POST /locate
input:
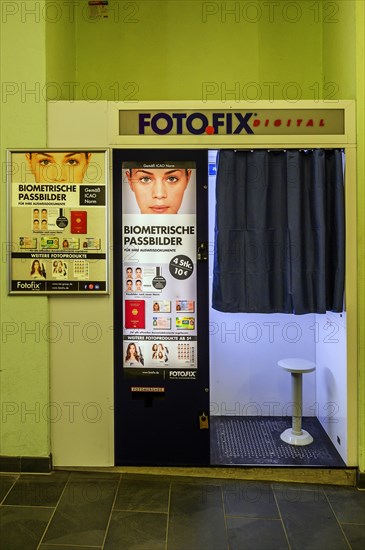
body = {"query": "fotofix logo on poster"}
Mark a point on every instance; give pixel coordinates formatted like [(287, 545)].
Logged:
[(159, 269)]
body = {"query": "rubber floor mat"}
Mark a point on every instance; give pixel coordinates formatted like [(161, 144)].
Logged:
[(256, 440)]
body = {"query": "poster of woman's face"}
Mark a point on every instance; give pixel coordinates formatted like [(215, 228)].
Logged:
[(151, 190), (58, 167)]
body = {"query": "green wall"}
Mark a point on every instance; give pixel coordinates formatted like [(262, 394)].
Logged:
[(24, 349), (28, 77), (155, 50), (197, 50), (360, 97), (60, 50), (339, 50)]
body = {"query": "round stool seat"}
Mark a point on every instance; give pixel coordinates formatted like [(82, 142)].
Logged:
[(297, 367)]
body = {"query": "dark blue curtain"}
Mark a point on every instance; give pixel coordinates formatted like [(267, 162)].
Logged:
[(280, 232)]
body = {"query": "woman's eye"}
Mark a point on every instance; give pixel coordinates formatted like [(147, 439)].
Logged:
[(145, 180), (72, 162), (172, 179), (45, 162)]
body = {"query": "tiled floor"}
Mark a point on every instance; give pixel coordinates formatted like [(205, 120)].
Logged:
[(112, 511)]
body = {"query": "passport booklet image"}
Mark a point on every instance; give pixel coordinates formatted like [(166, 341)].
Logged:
[(135, 314), (78, 221)]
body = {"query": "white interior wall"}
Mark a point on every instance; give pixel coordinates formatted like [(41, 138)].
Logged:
[(331, 378), (244, 351)]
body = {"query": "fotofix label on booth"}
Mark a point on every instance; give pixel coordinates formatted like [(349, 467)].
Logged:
[(231, 122), (159, 269)]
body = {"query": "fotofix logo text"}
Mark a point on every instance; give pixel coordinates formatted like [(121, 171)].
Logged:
[(232, 122)]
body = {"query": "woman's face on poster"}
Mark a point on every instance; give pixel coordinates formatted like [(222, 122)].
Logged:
[(158, 191), (58, 167)]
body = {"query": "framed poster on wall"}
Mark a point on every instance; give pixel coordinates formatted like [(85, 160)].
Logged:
[(58, 221), (159, 268)]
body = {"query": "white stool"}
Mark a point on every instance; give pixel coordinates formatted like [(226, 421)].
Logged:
[(295, 435)]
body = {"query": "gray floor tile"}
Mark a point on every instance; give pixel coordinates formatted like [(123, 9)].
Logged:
[(37, 490), (83, 512), (250, 499), (147, 495), (256, 534), (293, 492), (294, 486), (85, 475), (68, 547), (5, 483), (22, 528), (196, 515), (136, 531), (355, 534), (309, 521), (354, 510), (196, 520)]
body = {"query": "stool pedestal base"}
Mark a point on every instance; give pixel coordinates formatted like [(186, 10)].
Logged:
[(289, 437), (297, 367)]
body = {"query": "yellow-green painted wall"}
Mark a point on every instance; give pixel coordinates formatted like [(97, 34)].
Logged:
[(37, 63), (339, 50), (24, 368), (156, 50), (360, 97), (60, 50)]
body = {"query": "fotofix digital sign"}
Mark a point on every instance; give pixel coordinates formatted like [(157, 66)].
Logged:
[(231, 122)]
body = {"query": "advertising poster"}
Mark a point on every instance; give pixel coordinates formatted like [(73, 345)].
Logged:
[(159, 269), (58, 237)]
